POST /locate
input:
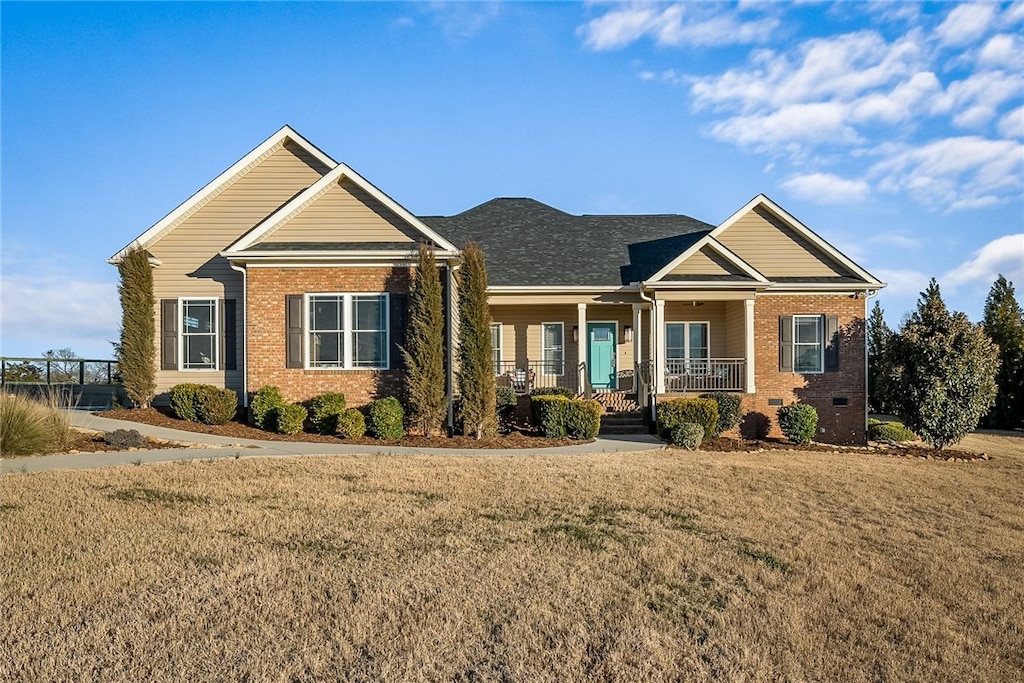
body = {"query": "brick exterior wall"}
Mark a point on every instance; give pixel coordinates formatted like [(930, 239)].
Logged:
[(265, 305)]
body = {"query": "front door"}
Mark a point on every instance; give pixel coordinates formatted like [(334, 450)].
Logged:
[(601, 355)]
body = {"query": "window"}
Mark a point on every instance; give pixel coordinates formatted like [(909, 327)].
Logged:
[(686, 347), (496, 347), (198, 334), (347, 331), (552, 343), (807, 343)]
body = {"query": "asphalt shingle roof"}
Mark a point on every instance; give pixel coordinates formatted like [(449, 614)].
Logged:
[(528, 243)]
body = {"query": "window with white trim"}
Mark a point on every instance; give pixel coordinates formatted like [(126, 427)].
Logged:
[(198, 334), (808, 349), (553, 349), (687, 347), (347, 331), (496, 346)]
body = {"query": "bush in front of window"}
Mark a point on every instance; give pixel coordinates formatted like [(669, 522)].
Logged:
[(582, 419), (326, 409), (185, 401), (506, 402), (215, 406), (798, 422), (553, 391), (674, 411), (547, 413), (688, 435), (387, 419), (729, 411), (351, 424), (290, 418), (264, 406), (889, 432)]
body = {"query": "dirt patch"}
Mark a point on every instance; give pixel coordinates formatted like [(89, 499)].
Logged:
[(87, 441)]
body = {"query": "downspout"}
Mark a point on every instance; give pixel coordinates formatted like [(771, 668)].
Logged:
[(653, 347), (245, 333)]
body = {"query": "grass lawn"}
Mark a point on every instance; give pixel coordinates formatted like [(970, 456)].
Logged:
[(663, 565)]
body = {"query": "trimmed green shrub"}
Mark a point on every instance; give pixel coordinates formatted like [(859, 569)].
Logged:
[(674, 411), (688, 435), (290, 418), (125, 439), (325, 410), (547, 413), (798, 422), (185, 400), (582, 419), (730, 408), (387, 419), (553, 391), (265, 403), (216, 406), (889, 432), (506, 402), (351, 424)]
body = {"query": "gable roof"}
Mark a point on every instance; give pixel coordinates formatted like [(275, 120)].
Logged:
[(749, 272), (530, 244), (222, 181)]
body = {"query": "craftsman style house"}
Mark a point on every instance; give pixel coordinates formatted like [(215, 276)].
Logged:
[(291, 269)]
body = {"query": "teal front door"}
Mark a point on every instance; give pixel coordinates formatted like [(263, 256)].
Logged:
[(601, 354)]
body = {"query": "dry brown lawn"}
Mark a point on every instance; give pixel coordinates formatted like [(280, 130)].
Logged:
[(632, 567)]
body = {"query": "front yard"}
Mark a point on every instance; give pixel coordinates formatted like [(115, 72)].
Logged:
[(663, 565)]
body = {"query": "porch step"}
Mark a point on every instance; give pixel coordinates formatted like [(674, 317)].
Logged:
[(617, 401), (623, 422)]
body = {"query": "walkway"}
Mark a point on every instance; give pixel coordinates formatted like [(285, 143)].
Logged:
[(227, 447)]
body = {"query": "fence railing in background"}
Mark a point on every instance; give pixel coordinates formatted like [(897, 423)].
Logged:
[(711, 374), (50, 371), (525, 377)]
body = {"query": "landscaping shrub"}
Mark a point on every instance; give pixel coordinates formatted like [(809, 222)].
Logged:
[(729, 411), (582, 419), (890, 432), (547, 413), (798, 422), (264, 405), (553, 391), (216, 406), (290, 418), (688, 435), (326, 408), (351, 424), (506, 402), (674, 411), (29, 426), (755, 425), (387, 418), (125, 439), (185, 400)]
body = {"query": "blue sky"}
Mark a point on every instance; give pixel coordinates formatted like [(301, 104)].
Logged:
[(894, 130)]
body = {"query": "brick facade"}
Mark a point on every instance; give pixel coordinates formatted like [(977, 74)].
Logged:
[(265, 322)]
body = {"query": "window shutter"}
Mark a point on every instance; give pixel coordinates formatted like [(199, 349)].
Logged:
[(396, 316), (293, 331), (785, 343), (228, 336), (831, 343), (168, 334)]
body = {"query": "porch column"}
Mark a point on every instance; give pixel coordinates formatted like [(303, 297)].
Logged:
[(581, 344), (748, 309), (658, 328)]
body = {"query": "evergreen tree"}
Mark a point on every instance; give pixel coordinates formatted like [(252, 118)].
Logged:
[(947, 367), (476, 364), (424, 346), (136, 353), (879, 367), (1004, 324)]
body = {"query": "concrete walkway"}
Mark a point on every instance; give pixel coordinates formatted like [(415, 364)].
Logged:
[(217, 447)]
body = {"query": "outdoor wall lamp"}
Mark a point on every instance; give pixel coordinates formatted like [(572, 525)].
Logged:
[(575, 333), (627, 333)]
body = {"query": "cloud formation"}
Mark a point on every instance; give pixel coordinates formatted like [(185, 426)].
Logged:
[(1003, 255), (826, 188), (674, 25)]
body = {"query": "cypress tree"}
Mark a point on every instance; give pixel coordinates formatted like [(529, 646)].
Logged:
[(136, 353), (879, 367), (476, 364), (424, 345), (1004, 323)]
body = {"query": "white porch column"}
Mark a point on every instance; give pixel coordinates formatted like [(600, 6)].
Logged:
[(581, 342), (658, 328), (748, 309)]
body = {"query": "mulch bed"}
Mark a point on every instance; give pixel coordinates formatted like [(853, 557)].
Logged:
[(240, 430), (911, 450), (92, 442)]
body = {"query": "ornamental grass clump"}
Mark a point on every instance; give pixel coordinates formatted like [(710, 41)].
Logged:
[(798, 422), (325, 411), (29, 426)]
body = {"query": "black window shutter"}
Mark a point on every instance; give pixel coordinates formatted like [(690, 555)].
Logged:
[(168, 334), (831, 343), (228, 341), (785, 343), (398, 307), (293, 331)]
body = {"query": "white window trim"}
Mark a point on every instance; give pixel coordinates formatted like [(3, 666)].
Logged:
[(347, 340), (181, 333), (543, 358), (686, 340), (821, 345), (501, 345)]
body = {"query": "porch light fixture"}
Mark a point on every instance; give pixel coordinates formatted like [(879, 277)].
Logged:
[(627, 333), (575, 333)]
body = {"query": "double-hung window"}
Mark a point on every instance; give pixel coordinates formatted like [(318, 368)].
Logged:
[(808, 351), (686, 348), (496, 347), (347, 331), (552, 349), (198, 334)]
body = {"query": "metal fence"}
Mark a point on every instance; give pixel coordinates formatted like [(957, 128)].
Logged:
[(712, 374), (50, 371)]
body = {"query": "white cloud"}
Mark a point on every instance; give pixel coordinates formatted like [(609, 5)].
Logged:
[(1003, 51), (1014, 14), (1002, 255), (462, 20), (901, 283), (826, 188), (815, 122), (895, 239), (966, 24), (1012, 123), (976, 99), (673, 25)]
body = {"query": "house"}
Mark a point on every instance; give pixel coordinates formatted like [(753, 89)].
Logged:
[(291, 269)]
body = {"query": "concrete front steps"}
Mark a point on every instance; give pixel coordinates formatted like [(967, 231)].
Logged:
[(622, 414)]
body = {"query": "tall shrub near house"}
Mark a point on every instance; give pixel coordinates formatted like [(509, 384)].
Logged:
[(424, 346), (476, 365), (947, 367), (1004, 324), (136, 353), (880, 372)]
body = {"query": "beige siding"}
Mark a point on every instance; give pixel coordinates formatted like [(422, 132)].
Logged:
[(775, 249), (344, 213), (189, 253), (735, 329), (706, 262)]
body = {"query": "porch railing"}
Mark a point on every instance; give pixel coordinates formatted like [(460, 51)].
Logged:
[(712, 374), (643, 378), (525, 377), (51, 371)]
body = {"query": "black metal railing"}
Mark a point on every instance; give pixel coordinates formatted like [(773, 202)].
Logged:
[(525, 377), (51, 371), (643, 379), (706, 374)]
